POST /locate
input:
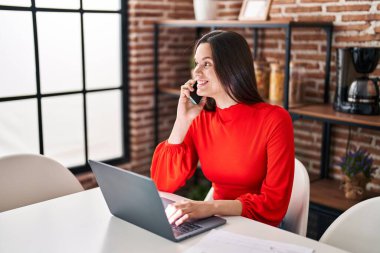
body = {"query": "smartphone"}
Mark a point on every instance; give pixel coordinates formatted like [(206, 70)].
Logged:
[(194, 96)]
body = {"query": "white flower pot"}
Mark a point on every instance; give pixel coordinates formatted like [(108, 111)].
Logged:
[(205, 9)]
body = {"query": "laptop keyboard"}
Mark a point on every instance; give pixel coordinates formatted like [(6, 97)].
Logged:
[(185, 228)]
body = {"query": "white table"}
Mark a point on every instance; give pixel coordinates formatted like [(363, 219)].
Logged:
[(81, 222)]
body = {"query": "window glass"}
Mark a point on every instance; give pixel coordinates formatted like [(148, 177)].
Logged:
[(104, 123), (19, 127), (24, 3), (17, 59), (103, 58), (59, 43), (63, 129), (66, 66), (59, 4), (111, 5)]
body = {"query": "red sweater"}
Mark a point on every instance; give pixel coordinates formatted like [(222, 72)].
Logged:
[(246, 151)]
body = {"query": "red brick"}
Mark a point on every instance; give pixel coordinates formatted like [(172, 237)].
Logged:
[(318, 75), (275, 10), (141, 13), (87, 179), (283, 2), (310, 37), (141, 29), (362, 17), (274, 56), (311, 57), (309, 125), (317, 18), (275, 36), (148, 6), (304, 47), (307, 65), (348, 8), (303, 9), (228, 14), (140, 47), (141, 155), (178, 15), (148, 22), (233, 5), (188, 8), (350, 27)]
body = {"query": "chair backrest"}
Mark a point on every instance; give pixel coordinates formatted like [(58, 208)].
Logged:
[(296, 217), (28, 178), (357, 229)]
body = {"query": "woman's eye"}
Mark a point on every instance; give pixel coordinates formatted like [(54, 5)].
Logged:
[(203, 64)]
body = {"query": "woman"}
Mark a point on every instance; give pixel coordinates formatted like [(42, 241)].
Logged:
[(245, 146)]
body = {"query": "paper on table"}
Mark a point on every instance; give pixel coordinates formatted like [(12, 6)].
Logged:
[(221, 241)]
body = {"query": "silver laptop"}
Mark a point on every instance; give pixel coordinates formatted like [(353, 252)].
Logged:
[(135, 199)]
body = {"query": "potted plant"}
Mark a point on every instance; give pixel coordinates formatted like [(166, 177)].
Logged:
[(357, 167)]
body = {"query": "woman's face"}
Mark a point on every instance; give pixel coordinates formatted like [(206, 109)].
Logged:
[(204, 72)]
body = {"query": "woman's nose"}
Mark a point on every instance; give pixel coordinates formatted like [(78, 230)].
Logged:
[(197, 69)]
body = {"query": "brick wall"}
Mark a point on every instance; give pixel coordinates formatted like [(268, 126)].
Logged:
[(357, 23)]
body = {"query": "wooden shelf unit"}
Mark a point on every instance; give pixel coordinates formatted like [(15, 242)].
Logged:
[(325, 112), (328, 116)]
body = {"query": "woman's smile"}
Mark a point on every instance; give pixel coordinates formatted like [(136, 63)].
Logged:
[(201, 84)]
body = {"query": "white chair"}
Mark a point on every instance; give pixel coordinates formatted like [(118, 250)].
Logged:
[(27, 178), (296, 217), (357, 229)]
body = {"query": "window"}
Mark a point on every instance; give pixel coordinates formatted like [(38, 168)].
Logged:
[(63, 81)]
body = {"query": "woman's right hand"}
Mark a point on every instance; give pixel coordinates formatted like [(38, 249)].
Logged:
[(186, 113), (186, 110)]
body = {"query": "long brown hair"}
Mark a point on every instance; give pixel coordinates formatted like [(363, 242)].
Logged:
[(233, 66)]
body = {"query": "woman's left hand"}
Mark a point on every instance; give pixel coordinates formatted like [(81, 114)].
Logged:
[(180, 212)]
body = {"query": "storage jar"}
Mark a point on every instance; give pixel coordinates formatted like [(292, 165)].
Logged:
[(262, 71), (276, 86)]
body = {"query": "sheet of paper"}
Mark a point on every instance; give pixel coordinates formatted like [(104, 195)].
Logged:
[(222, 242)]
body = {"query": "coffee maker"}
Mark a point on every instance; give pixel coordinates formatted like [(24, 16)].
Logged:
[(355, 92)]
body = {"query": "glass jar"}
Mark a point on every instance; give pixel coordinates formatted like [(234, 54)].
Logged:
[(262, 77), (295, 83), (276, 86)]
